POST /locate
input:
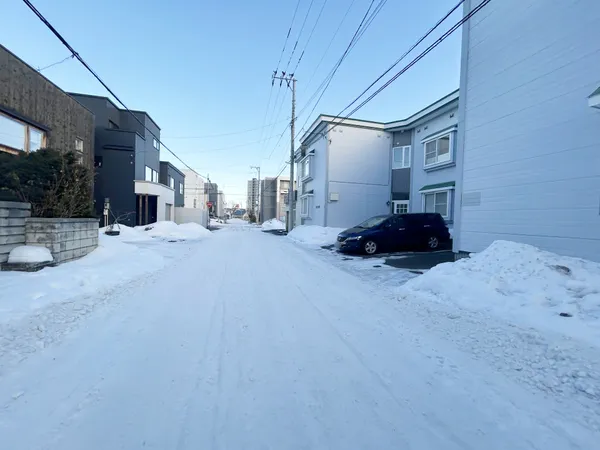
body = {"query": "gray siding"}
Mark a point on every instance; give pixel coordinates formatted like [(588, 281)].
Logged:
[(446, 119), (318, 184), (401, 177), (169, 170), (150, 156), (531, 169)]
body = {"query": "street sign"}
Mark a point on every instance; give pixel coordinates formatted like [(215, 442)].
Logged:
[(209, 204)]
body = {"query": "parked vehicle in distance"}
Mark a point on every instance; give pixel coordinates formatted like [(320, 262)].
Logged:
[(395, 232)]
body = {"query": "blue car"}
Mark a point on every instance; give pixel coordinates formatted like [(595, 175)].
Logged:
[(394, 232)]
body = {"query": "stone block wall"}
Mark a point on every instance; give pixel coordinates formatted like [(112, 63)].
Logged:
[(12, 226), (67, 239)]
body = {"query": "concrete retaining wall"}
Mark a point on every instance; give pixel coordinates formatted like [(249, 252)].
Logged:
[(12, 226), (67, 239)]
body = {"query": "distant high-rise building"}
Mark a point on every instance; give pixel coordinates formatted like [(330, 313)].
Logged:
[(252, 195)]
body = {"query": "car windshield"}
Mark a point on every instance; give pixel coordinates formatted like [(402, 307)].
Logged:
[(372, 222)]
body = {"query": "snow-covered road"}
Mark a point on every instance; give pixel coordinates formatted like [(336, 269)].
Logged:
[(252, 342)]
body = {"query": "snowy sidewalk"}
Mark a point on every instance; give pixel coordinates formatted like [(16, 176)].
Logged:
[(280, 351)]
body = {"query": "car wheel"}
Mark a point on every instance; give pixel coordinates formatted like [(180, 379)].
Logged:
[(370, 247), (433, 243)]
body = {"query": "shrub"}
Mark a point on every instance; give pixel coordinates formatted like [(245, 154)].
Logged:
[(54, 182)]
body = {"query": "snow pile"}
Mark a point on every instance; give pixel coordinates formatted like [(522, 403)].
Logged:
[(522, 283), (273, 224), (112, 263), (171, 231), (29, 254), (128, 234), (315, 235)]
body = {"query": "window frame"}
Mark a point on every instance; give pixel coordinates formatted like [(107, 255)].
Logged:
[(181, 188), (155, 144), (400, 203), (171, 181), (435, 193), (26, 136), (148, 168), (436, 138), (403, 164), (305, 199), (306, 160)]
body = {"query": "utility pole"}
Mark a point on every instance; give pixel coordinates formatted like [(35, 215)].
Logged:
[(291, 83), (258, 197)]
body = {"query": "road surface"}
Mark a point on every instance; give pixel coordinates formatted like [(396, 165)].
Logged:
[(252, 342)]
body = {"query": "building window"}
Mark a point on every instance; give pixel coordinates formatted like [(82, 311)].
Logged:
[(18, 136), (438, 202), (181, 188), (400, 206), (306, 169), (438, 150), (154, 176), (149, 176), (401, 157), (305, 206), (36, 138), (171, 183), (155, 144)]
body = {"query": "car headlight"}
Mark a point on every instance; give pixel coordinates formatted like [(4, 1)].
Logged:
[(354, 238)]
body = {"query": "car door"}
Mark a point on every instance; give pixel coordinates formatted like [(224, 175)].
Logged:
[(397, 232)]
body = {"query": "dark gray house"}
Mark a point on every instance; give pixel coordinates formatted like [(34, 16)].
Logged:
[(174, 178), (127, 162), (35, 113)]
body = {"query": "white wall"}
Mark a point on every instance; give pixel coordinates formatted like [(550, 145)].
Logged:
[(360, 172), (163, 193), (194, 190), (531, 168), (185, 215)]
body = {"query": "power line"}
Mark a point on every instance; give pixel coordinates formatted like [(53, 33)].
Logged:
[(416, 60), (299, 36), (238, 145), (338, 64), (288, 35), (86, 65), (330, 43), (272, 120), (310, 36), (57, 63), (208, 136), (415, 45)]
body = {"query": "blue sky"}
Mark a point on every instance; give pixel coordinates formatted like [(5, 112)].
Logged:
[(203, 67)]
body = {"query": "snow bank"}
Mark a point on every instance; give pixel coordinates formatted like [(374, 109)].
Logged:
[(273, 224), (170, 230), (128, 234), (112, 263), (522, 283), (29, 254), (315, 235)]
